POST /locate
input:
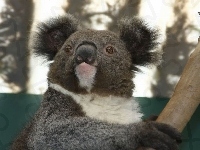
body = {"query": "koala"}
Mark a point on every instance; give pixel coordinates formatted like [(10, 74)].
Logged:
[(88, 104)]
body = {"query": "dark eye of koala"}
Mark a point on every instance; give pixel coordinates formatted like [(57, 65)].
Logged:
[(109, 50), (68, 48)]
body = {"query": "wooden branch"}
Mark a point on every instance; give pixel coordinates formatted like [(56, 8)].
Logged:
[(186, 97)]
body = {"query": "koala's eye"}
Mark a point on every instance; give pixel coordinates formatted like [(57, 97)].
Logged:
[(68, 48), (109, 50)]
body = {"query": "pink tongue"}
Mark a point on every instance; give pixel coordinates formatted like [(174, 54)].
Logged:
[(85, 69)]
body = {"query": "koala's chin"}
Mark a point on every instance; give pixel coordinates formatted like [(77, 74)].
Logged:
[(86, 75)]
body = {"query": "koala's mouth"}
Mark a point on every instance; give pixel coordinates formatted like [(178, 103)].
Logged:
[(86, 75)]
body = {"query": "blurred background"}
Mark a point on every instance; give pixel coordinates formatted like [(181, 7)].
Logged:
[(178, 21)]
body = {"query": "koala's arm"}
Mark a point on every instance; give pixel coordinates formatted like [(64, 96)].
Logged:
[(85, 133)]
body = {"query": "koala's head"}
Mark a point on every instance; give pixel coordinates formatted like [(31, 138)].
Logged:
[(100, 62)]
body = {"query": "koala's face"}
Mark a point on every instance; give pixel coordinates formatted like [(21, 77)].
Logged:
[(95, 61)]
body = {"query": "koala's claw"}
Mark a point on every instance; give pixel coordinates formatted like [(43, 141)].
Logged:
[(159, 136)]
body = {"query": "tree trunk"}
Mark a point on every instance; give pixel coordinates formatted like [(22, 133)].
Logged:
[(186, 97)]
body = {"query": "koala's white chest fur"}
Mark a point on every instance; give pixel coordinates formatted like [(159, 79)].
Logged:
[(111, 109)]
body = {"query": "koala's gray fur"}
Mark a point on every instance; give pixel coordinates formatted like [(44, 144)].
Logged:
[(95, 115)]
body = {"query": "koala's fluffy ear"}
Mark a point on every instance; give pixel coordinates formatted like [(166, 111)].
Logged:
[(51, 35), (140, 40)]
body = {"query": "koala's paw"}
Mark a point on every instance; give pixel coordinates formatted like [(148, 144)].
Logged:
[(159, 136), (151, 118)]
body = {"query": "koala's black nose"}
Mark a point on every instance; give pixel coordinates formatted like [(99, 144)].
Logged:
[(85, 53)]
